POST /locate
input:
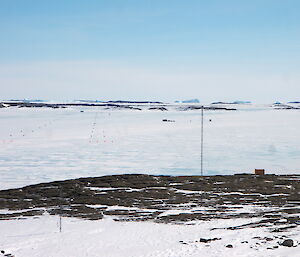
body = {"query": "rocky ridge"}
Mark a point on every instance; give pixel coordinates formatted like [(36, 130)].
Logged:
[(275, 200)]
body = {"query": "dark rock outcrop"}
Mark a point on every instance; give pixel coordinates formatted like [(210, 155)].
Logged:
[(144, 197), (288, 243)]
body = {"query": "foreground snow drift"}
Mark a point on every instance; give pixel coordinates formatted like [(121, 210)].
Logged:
[(36, 237)]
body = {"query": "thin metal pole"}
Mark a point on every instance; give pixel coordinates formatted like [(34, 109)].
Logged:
[(60, 223), (202, 114), (60, 211)]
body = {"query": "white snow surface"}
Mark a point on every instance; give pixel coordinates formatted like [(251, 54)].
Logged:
[(42, 144), (36, 237)]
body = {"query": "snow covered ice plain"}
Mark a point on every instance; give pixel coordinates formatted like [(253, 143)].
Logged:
[(106, 238), (42, 145)]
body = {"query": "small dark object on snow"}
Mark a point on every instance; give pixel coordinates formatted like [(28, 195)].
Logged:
[(203, 240), (166, 120), (2, 251), (182, 242), (288, 243), (229, 246), (158, 108)]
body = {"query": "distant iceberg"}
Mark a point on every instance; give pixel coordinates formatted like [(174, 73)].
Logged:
[(28, 100), (294, 102), (235, 102), (191, 101), (242, 102)]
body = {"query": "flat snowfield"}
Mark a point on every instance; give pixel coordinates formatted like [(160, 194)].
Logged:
[(36, 237), (45, 144)]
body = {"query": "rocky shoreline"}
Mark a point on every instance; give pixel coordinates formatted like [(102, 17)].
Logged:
[(275, 200), (268, 202)]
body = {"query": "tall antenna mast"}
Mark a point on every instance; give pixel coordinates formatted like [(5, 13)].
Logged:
[(202, 114)]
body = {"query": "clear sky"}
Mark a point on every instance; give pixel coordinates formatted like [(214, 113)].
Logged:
[(156, 50)]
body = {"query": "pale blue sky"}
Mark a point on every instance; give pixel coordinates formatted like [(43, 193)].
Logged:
[(156, 50)]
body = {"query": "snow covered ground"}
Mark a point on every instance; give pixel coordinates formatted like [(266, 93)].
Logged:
[(35, 237), (43, 144)]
